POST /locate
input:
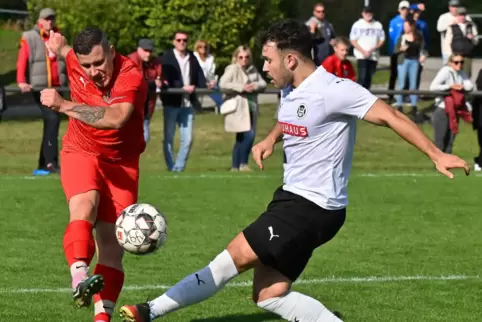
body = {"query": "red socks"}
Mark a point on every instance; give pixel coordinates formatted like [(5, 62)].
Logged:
[(79, 242), (106, 299)]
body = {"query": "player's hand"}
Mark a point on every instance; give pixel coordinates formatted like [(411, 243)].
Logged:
[(25, 87), (262, 151), (56, 42), (189, 88), (51, 98), (444, 162)]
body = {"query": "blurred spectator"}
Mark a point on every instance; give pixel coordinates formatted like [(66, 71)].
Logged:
[(451, 107), (206, 61), (410, 49), (395, 30), (241, 81), (461, 37), (444, 22), (323, 34), (152, 69), (180, 69), (338, 63), (367, 36), (422, 26), (38, 67), (477, 121)]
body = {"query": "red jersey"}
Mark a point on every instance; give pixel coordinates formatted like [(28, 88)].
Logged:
[(127, 86), (342, 69)]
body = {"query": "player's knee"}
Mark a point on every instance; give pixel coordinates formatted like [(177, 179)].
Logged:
[(84, 206), (243, 256)]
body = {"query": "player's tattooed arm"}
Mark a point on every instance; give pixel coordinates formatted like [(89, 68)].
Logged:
[(87, 114), (113, 117)]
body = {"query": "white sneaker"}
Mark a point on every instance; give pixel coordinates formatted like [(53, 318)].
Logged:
[(477, 167)]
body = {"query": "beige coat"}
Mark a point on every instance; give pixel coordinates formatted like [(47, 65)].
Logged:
[(232, 82)]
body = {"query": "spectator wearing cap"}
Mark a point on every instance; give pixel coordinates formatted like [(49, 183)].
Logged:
[(152, 70), (443, 23), (180, 69), (422, 26), (367, 36), (323, 34), (461, 37), (395, 30), (38, 67)]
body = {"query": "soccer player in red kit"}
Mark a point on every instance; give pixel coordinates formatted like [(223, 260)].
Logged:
[(99, 160)]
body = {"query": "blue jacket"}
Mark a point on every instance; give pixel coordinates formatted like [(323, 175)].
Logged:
[(422, 26), (395, 30)]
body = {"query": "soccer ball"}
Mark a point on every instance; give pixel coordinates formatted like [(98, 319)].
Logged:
[(141, 229)]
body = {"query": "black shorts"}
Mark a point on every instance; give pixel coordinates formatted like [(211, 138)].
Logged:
[(286, 234)]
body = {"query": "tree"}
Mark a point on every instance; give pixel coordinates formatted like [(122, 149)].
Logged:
[(224, 24)]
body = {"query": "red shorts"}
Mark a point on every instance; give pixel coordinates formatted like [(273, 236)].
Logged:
[(117, 182)]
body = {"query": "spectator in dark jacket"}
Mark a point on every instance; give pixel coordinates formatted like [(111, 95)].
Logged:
[(180, 69), (323, 34), (477, 121)]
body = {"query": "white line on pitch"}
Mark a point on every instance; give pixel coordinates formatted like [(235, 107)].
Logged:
[(246, 176), (316, 281)]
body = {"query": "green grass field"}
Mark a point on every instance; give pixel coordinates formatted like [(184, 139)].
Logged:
[(415, 232)]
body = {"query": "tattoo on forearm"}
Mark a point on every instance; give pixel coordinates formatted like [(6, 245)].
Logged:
[(88, 114)]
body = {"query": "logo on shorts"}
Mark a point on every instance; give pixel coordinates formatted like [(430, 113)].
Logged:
[(270, 229), (301, 112)]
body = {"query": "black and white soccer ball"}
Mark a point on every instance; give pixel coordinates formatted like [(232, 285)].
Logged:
[(141, 229)]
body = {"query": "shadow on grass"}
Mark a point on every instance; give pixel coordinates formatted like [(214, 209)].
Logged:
[(255, 317)]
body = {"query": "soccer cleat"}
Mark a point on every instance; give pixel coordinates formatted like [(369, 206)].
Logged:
[(135, 313), (82, 294)]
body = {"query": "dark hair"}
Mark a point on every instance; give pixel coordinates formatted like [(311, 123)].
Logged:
[(290, 34), (318, 4), (179, 32), (413, 24), (88, 39)]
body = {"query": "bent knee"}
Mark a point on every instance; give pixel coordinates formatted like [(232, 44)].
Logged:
[(242, 254), (84, 206)]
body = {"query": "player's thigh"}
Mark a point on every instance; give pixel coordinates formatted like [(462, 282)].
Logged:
[(120, 189), (243, 256), (286, 234), (269, 283), (81, 182)]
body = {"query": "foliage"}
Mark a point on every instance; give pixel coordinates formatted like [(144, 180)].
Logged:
[(225, 24)]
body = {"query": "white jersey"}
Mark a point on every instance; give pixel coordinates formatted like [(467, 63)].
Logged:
[(318, 119), (368, 35)]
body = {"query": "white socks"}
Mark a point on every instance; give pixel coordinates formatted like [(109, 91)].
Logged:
[(296, 307), (196, 287)]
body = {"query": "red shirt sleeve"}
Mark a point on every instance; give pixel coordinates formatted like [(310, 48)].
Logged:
[(22, 61), (328, 65)]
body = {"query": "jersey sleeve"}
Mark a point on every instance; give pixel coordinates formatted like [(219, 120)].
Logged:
[(129, 85), (345, 97)]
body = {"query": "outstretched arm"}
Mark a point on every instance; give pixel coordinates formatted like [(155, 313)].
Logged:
[(382, 114)]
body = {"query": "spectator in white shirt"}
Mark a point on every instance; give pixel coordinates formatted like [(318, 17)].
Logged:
[(444, 22), (206, 61), (367, 36)]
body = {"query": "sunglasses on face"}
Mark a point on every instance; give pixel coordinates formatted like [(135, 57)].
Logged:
[(243, 57), (320, 11), (181, 40), (457, 62)]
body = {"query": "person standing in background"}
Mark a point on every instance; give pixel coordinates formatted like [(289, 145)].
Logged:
[(338, 63), (395, 30), (206, 61), (443, 23), (180, 69), (152, 70), (367, 36), (422, 27), (38, 67), (323, 34)]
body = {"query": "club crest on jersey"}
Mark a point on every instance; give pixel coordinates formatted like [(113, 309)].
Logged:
[(294, 130), (301, 112)]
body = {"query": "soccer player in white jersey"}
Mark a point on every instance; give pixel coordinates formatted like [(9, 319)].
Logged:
[(316, 121)]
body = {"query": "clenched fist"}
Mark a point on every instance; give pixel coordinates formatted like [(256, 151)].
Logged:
[(51, 98), (56, 42)]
